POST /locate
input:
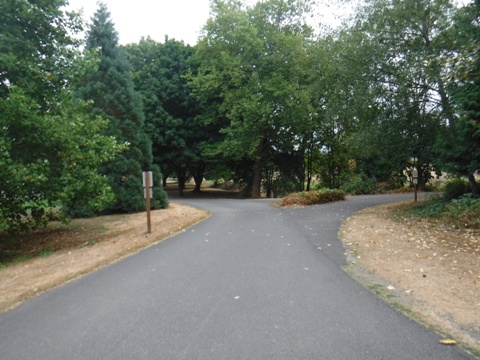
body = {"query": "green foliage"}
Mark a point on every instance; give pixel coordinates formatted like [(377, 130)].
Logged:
[(53, 169), (254, 73), (111, 90), (460, 212), (430, 208), (464, 211), (50, 149), (404, 42), (37, 48), (170, 110), (283, 185), (305, 198), (360, 185), (457, 147), (340, 99), (455, 189)]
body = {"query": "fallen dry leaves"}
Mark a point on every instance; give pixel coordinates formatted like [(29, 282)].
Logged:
[(428, 267)]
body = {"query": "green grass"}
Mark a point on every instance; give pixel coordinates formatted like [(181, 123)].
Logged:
[(46, 252), (22, 258)]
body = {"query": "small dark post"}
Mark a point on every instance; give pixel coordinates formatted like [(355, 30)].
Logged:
[(148, 184), (415, 181)]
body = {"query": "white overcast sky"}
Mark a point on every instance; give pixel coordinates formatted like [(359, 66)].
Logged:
[(179, 19), (182, 19)]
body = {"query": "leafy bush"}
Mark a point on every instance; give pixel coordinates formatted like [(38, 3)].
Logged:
[(314, 186), (455, 189), (429, 208), (306, 198), (54, 168), (284, 185), (462, 212), (360, 185)]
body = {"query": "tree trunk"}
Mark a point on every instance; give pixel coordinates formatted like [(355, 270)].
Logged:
[(447, 107), (198, 173), (180, 190), (257, 179), (258, 169), (166, 175), (309, 167), (182, 179), (473, 185), (269, 181)]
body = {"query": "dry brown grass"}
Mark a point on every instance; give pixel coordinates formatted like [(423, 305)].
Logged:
[(43, 259)]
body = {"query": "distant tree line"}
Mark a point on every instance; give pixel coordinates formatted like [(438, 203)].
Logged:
[(262, 100)]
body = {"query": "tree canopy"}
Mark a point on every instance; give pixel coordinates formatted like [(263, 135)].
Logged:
[(254, 60), (170, 110), (50, 148), (261, 99), (458, 144)]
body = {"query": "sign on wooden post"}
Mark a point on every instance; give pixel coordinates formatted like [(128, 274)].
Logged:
[(148, 192)]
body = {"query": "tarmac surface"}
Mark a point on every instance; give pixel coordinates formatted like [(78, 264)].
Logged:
[(251, 282)]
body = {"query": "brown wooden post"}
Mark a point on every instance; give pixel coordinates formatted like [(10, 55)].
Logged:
[(147, 197)]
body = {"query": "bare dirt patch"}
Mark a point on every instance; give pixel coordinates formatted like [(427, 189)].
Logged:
[(59, 253), (428, 270)]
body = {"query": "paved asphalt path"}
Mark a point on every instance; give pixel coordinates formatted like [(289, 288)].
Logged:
[(248, 283)]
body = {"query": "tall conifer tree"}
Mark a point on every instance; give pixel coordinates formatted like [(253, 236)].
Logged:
[(112, 92)]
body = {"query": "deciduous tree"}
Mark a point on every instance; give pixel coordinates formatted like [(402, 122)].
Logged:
[(253, 60), (50, 148), (408, 63)]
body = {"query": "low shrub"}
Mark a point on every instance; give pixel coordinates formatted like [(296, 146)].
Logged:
[(461, 212), (464, 211), (455, 189), (360, 185), (284, 185), (320, 196), (430, 208)]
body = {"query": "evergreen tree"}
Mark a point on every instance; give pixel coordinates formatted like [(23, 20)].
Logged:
[(170, 111), (114, 98)]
